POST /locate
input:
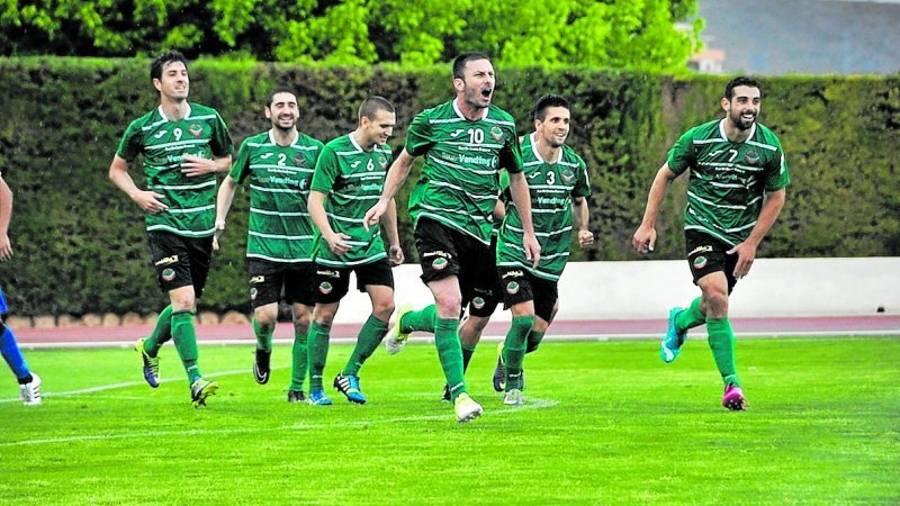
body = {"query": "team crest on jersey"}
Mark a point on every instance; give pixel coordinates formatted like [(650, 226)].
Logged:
[(496, 133), (195, 129), (382, 162), (299, 160), (512, 287), (568, 176), (751, 157), (168, 274), (700, 262), (325, 287), (478, 302)]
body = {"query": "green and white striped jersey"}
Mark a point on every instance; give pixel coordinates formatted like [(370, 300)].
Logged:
[(459, 184), (279, 227), (727, 180), (163, 143), (552, 186), (352, 179)]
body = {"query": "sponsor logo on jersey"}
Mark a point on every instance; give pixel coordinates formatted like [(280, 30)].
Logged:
[(700, 249), (159, 135), (355, 164), (167, 260), (257, 279), (265, 156), (456, 132), (253, 293), (168, 274), (534, 174), (512, 288), (751, 157), (478, 302), (329, 273), (700, 262), (496, 133), (513, 274), (325, 287), (195, 130)]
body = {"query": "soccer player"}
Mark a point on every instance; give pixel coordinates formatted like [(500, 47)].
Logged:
[(465, 142), (738, 176), (183, 145), (349, 177), (279, 164), (558, 182), (29, 382)]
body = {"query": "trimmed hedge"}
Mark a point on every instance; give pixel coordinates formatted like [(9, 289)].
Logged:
[(80, 244)]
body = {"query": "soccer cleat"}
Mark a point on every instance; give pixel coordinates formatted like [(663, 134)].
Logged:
[(349, 386), (296, 396), (261, 366), (733, 398), (670, 347), (201, 389), (499, 379), (445, 396), (31, 392), (318, 398), (151, 364), (513, 397), (466, 408), (395, 339)]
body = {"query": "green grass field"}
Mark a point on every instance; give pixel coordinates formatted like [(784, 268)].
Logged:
[(606, 423)]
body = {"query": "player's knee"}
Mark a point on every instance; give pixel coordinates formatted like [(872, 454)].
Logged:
[(448, 305), (302, 319), (183, 302), (383, 309), (265, 316), (716, 303), (324, 315)]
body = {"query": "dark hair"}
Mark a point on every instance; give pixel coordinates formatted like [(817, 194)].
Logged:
[(459, 63), (271, 97), (540, 109), (740, 81), (156, 67), (372, 104)]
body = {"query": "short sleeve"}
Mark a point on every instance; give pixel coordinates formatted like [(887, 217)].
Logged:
[(326, 171), (777, 174), (681, 154), (418, 136), (583, 183), (240, 168), (221, 143), (131, 144), (511, 154)]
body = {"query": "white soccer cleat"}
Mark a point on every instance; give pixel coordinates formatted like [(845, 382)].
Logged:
[(466, 408), (396, 340), (31, 392), (513, 397)]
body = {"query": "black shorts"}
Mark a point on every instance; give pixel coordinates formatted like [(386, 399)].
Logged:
[(484, 304), (706, 254), (269, 279), (444, 251), (519, 286), (180, 261), (332, 283)]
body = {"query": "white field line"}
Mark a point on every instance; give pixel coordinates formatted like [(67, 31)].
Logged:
[(533, 404), (489, 338)]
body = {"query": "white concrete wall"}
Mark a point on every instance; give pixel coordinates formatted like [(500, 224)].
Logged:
[(647, 289)]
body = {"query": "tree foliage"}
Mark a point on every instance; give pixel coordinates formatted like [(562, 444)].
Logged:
[(629, 34)]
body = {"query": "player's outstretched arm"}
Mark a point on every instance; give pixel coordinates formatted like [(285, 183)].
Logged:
[(389, 222), (644, 239), (746, 251), (518, 189), (396, 176), (148, 201), (582, 215), (224, 199), (6, 206), (316, 205)]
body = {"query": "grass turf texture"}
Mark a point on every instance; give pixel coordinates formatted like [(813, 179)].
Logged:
[(606, 422)]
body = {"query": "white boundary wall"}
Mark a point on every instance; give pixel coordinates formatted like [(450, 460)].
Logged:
[(647, 289)]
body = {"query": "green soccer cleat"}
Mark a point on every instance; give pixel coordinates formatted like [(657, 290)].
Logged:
[(671, 344), (395, 339), (201, 389), (150, 364)]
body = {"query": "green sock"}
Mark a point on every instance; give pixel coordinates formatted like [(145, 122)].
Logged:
[(422, 320), (317, 343), (185, 336), (534, 340), (299, 361), (263, 335), (162, 332), (514, 349), (721, 342), (446, 338), (467, 352), (692, 316), (370, 336)]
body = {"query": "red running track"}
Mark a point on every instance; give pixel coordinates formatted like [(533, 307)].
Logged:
[(572, 329)]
